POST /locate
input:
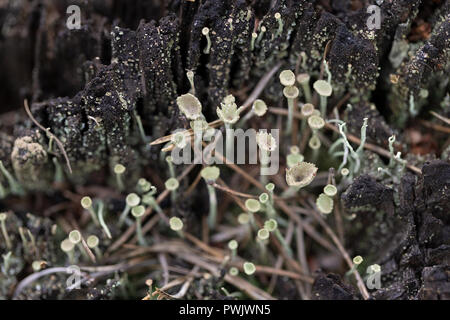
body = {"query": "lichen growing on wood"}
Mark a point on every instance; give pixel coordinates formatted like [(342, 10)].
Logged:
[(106, 98)]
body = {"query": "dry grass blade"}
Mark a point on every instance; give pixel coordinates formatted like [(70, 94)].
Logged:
[(435, 126), (231, 191), (437, 115), (182, 251)]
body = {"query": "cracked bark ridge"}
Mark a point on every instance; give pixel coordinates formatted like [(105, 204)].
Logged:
[(142, 72), (415, 260), (331, 287), (377, 128), (423, 70)]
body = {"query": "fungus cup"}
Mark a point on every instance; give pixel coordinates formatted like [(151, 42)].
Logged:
[(303, 79), (263, 29), (249, 268), (68, 247), (294, 157), (262, 237), (229, 114), (205, 32), (374, 268), (324, 89), (287, 78), (76, 238), (172, 185), (179, 140), (277, 17), (93, 243), (252, 43), (131, 201), (252, 205), (233, 245), (263, 234), (264, 198), (143, 185), (291, 93), (138, 212), (149, 200), (37, 265), (272, 226), (119, 170), (324, 203), (259, 107), (330, 190), (314, 143), (307, 110), (356, 262), (190, 76), (176, 224), (316, 122), (266, 143), (210, 175), (190, 106), (270, 187), (301, 175), (86, 203), (234, 271), (244, 218)]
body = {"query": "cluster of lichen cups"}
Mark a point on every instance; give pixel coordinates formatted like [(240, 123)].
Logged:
[(299, 174)]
